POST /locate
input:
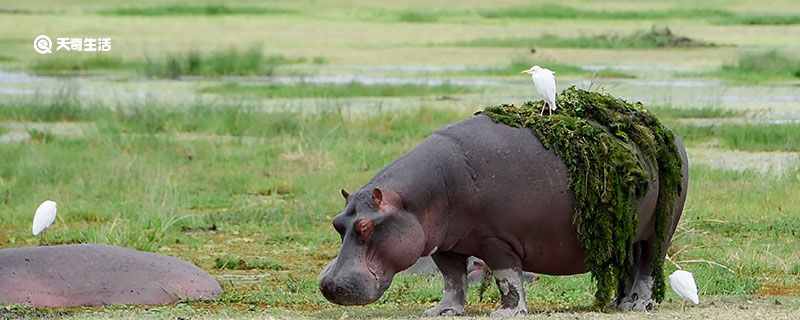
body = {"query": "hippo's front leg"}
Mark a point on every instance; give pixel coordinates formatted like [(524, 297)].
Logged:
[(454, 271), (512, 293)]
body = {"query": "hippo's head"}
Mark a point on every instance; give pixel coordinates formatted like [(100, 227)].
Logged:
[(379, 239)]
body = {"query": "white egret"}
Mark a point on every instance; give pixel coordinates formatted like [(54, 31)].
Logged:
[(44, 217), (545, 84), (682, 282)]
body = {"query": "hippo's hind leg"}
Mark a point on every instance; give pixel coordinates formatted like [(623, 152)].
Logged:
[(637, 293), (507, 270), (454, 271), (512, 293)]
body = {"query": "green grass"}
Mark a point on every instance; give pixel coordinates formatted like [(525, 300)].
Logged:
[(231, 61), (417, 16), (649, 39), (236, 263), (220, 179), (565, 12), (217, 63), (64, 105), (353, 89), (552, 11), (764, 20), (757, 67), (41, 136), (208, 10), (73, 64), (748, 137), (215, 184), (695, 112)]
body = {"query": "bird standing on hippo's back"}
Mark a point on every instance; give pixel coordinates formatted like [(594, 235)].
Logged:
[(545, 84)]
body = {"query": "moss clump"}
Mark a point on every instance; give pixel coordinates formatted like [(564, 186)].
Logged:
[(605, 142)]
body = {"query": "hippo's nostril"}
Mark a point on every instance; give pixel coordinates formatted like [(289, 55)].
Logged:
[(327, 286)]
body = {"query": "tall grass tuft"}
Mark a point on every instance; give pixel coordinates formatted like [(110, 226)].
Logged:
[(63, 105), (231, 61), (223, 62), (761, 66)]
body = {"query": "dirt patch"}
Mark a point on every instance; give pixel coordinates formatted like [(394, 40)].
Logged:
[(779, 290), (315, 160)]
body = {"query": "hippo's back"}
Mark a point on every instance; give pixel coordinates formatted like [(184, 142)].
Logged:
[(522, 194)]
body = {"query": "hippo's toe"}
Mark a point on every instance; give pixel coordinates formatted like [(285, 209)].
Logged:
[(444, 311), (636, 304)]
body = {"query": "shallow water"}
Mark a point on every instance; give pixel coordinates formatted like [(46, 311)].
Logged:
[(21, 77), (372, 80), (776, 101)]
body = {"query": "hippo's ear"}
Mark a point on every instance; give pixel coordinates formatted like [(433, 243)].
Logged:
[(345, 194), (386, 198)]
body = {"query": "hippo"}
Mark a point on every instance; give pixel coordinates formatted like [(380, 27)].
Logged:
[(484, 189), (93, 275)]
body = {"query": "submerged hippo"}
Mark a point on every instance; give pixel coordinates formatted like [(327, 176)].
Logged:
[(92, 275), (475, 188)]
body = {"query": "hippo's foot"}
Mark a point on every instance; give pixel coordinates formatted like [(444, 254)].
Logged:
[(444, 309), (512, 293), (637, 305), (639, 295), (505, 313)]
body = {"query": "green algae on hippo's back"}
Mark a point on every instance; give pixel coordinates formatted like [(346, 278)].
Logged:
[(604, 142)]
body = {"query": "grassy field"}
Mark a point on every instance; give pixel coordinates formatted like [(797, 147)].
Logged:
[(182, 141)]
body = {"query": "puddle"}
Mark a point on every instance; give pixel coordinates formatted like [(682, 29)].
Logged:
[(17, 91), (21, 77), (762, 162), (636, 68), (399, 68), (368, 80), (675, 83)]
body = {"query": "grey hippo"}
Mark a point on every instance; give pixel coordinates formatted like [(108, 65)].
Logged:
[(477, 188)]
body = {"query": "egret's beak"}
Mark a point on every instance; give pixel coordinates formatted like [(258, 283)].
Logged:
[(524, 71)]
